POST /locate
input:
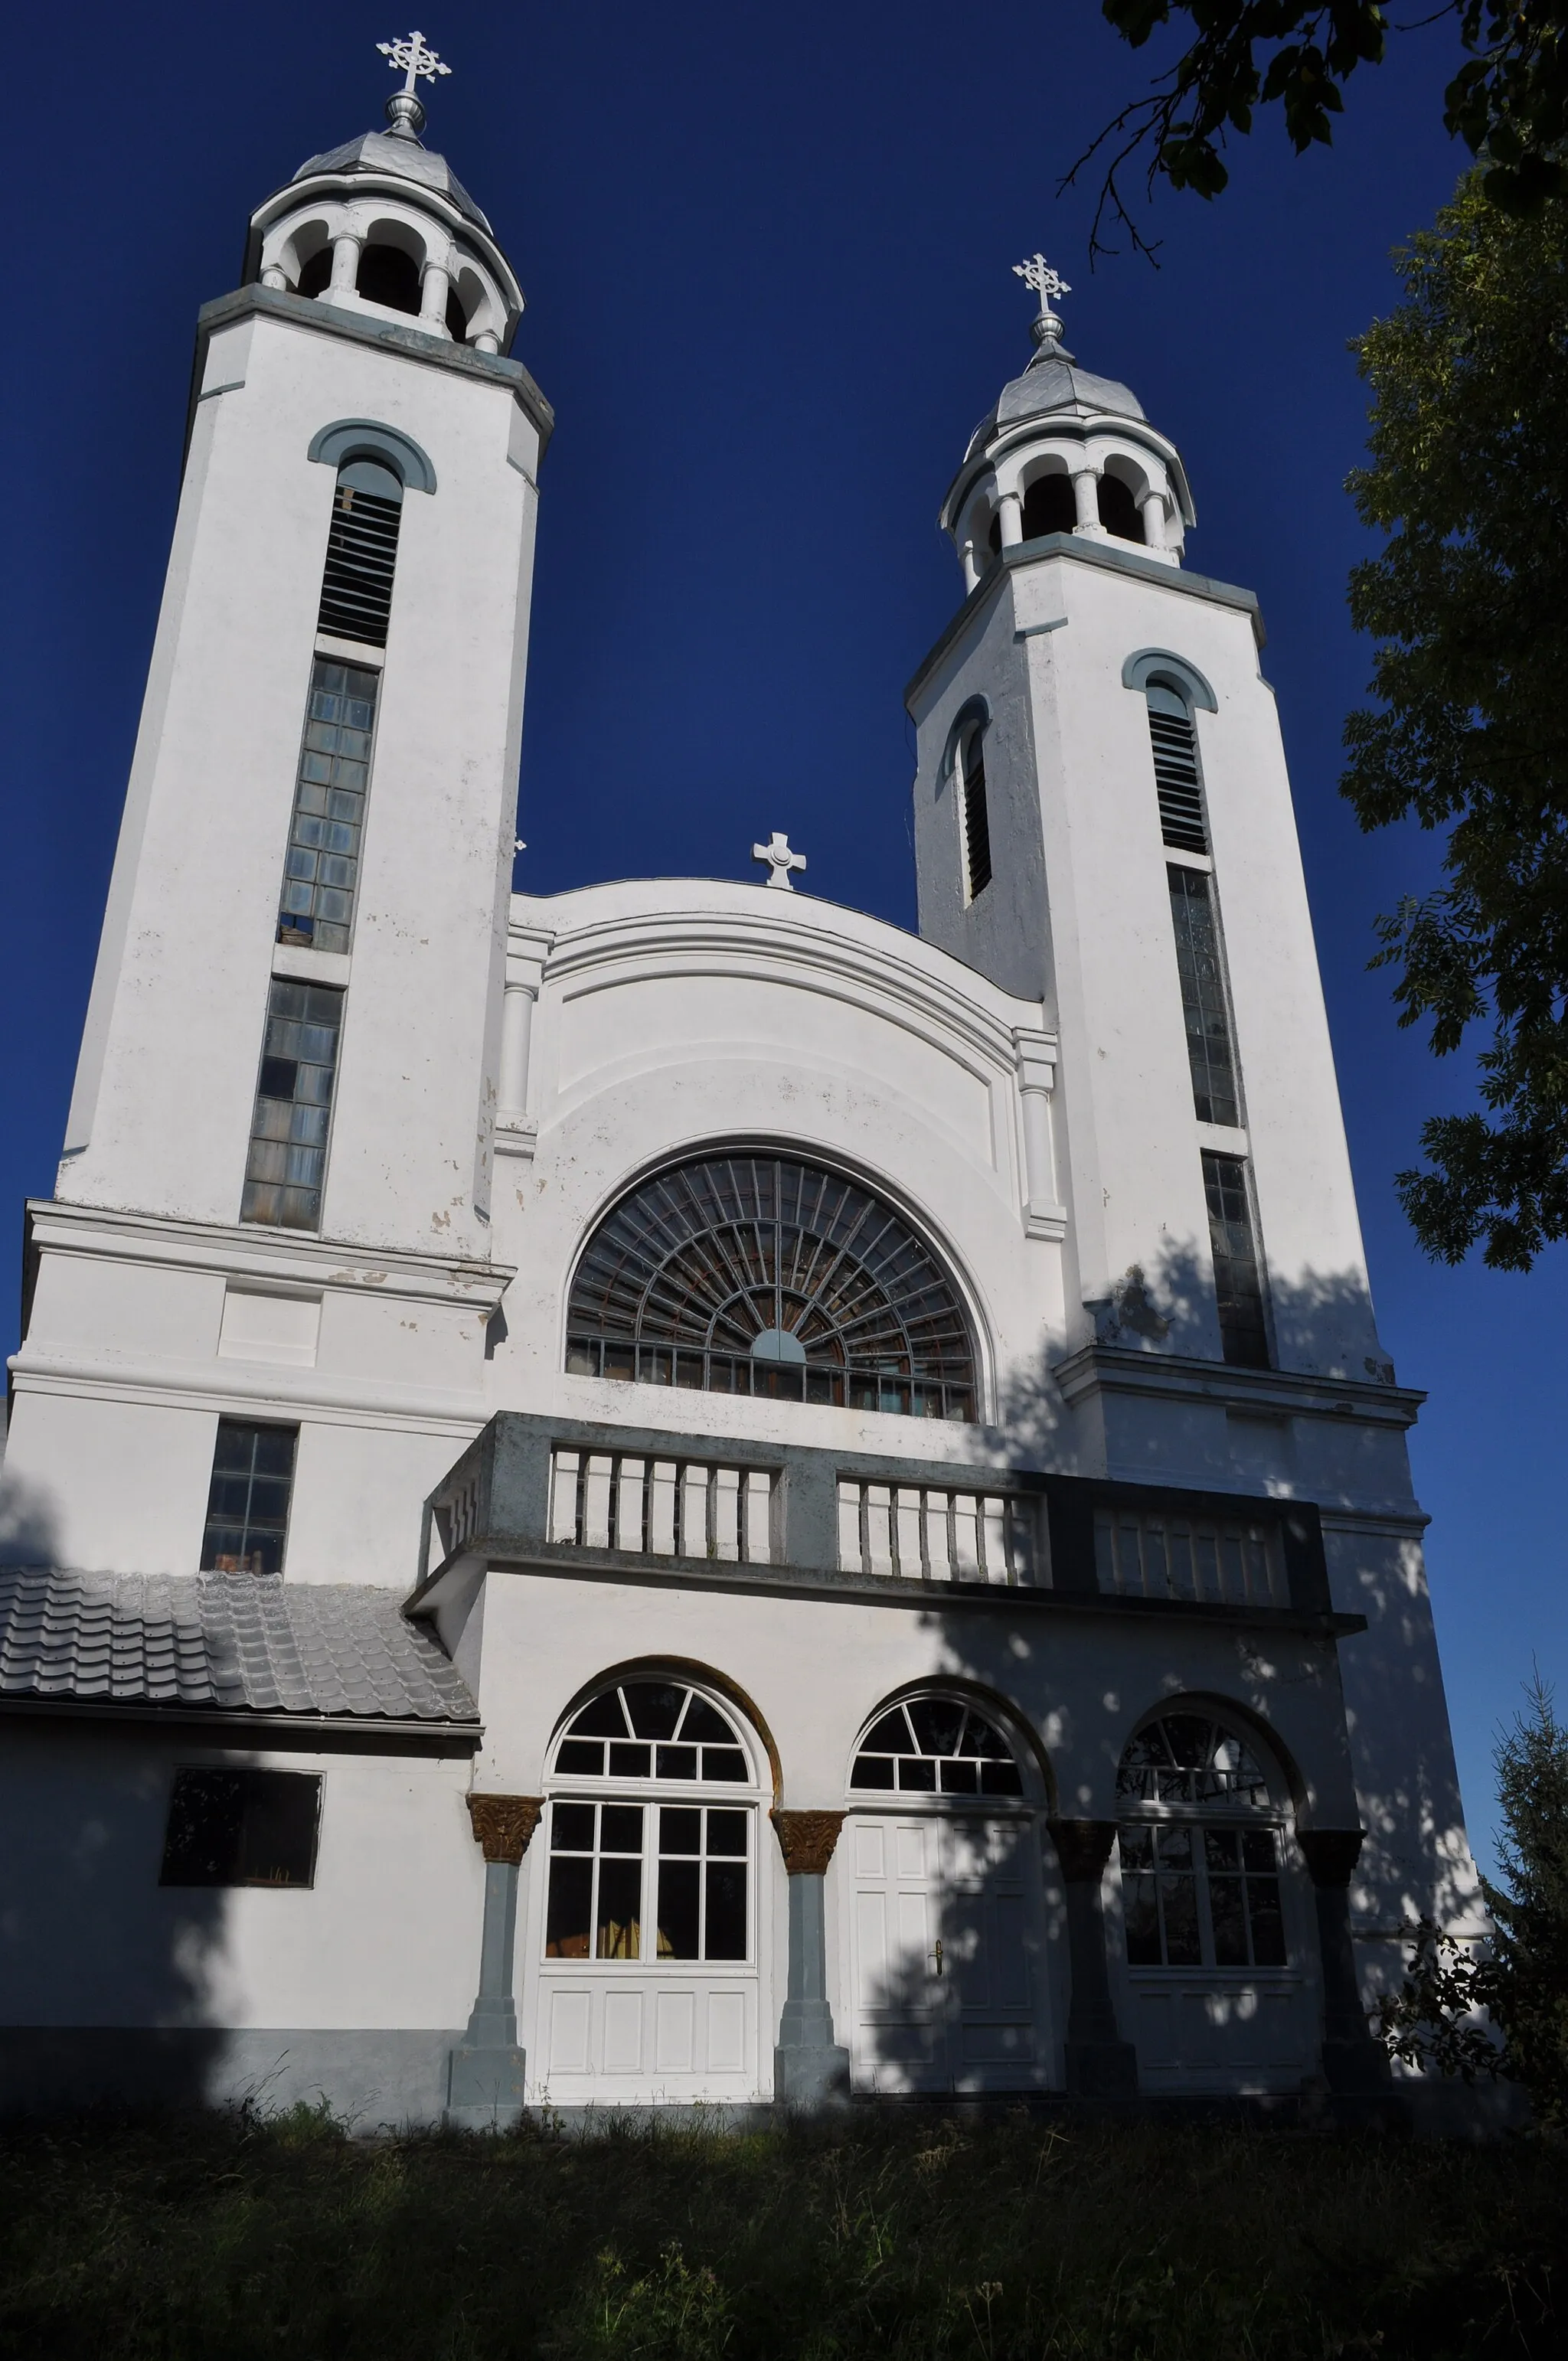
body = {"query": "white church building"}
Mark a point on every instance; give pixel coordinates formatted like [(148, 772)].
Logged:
[(669, 1492)]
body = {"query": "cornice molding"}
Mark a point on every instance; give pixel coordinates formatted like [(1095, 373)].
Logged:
[(1115, 1368)]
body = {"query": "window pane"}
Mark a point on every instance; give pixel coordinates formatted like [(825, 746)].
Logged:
[(725, 1925), (1267, 1922), (620, 1827), (726, 1762), (680, 1830), (1210, 1050), (582, 1754), (873, 1771), (675, 1761), (202, 1843), (602, 1719), (247, 1501), (320, 894), (618, 1933), (727, 1833), (654, 1707), (629, 1762), (1141, 1915), (572, 1827), (1228, 1917), (679, 1890), (1179, 1901), (1238, 1288), (917, 1774), (293, 1096), (567, 1916), (278, 1845)]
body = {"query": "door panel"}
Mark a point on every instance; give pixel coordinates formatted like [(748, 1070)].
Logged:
[(944, 1971)]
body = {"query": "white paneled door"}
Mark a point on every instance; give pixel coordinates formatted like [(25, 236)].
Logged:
[(945, 1968)]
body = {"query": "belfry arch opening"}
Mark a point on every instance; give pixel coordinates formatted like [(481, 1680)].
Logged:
[(389, 277), (1118, 509), (1049, 506)]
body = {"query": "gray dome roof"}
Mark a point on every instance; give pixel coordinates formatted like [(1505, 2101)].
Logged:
[(405, 160), (1053, 381)]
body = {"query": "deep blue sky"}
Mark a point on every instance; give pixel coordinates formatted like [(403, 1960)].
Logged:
[(767, 261)]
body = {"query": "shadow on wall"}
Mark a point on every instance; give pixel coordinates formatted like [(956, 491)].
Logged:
[(1381, 1688), (110, 1983)]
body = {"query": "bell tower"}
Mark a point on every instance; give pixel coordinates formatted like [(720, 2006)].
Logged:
[(288, 1072), (1103, 818)]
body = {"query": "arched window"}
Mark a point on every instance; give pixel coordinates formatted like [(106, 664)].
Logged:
[(1199, 1844), (1178, 782), (647, 1875), (1118, 509), (755, 1274), (1049, 506), (969, 766), (936, 1746), (361, 553)]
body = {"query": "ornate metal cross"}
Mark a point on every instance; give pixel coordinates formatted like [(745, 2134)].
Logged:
[(1046, 283), (780, 859), (411, 58)]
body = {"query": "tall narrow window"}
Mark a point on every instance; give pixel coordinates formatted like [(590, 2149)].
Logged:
[(1242, 1331), (287, 1163), (321, 872), (247, 1503), (361, 554), (1209, 1047), (976, 819), (1175, 744)]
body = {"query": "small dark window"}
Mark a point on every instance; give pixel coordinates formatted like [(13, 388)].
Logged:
[(361, 554), (287, 1164), (976, 819), (1119, 511), (388, 276), (316, 274), (242, 1828), (1049, 506), (1209, 1047), (1177, 781), (248, 1504), (1242, 1331)]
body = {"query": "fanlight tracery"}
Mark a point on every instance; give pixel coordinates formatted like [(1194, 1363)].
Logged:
[(1187, 1758), (758, 1274), (652, 1730), (936, 1746)]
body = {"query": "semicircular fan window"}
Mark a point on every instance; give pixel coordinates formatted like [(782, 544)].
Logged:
[(936, 1746), (765, 1275)]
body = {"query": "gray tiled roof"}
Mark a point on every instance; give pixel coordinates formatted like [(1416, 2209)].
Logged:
[(248, 1643)]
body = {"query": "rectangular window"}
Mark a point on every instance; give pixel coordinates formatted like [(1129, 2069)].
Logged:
[(287, 1163), (976, 819), (1209, 1047), (1202, 1897), (1175, 744), (361, 556), (1239, 1290), (321, 869), (248, 1504), (242, 1828), (698, 1873)]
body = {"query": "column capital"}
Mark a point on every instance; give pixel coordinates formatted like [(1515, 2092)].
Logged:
[(807, 1840), (1331, 1854), (1084, 1847), (504, 1825)]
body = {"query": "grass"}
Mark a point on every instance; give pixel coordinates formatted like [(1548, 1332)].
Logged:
[(889, 2234)]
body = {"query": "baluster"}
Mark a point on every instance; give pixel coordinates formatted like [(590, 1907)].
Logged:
[(629, 1532), (938, 1545), (910, 1556), (564, 1481), (851, 1549), (662, 1508), (993, 1533), (879, 1530), (727, 1512), (966, 1536), (596, 1500), (693, 1512), (757, 1533)]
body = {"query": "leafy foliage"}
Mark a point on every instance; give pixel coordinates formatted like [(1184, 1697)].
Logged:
[(1508, 100), (1436, 2019), (1468, 603)]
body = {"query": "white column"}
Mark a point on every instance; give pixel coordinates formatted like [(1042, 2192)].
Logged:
[(345, 248), (272, 276), (1153, 507), (971, 571), (1086, 493), (1010, 507), (433, 299), (517, 1036), (487, 341)]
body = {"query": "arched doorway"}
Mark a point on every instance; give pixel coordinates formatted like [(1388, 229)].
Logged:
[(1216, 1930), (942, 1920), (649, 1927)]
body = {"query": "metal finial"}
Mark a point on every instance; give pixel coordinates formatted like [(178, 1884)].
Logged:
[(417, 64), (1037, 272)]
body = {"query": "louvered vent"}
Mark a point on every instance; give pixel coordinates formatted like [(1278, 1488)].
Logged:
[(1175, 776), (976, 819), (361, 554)]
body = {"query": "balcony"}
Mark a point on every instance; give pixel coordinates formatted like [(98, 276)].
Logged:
[(604, 1499)]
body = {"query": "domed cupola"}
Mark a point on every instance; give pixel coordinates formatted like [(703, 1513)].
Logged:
[(382, 225), (1065, 451)]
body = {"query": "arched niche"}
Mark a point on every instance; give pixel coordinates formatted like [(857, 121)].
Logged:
[(368, 438), (1163, 667)]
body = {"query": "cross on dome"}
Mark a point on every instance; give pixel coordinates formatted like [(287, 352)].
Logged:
[(411, 59), (780, 859), (1045, 329)]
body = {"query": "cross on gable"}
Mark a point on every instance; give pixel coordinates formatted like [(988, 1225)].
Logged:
[(780, 859)]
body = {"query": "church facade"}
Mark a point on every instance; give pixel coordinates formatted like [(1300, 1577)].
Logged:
[(670, 1493)]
